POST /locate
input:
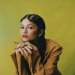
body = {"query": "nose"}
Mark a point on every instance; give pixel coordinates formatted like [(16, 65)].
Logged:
[(25, 31)]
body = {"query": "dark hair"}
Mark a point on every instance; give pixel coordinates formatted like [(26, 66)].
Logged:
[(41, 25)]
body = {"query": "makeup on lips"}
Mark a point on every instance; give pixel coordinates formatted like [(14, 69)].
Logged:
[(24, 36)]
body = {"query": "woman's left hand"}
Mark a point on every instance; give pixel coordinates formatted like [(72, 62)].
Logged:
[(29, 48)]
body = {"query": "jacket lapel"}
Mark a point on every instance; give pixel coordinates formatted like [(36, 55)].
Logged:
[(13, 56), (17, 61), (30, 63)]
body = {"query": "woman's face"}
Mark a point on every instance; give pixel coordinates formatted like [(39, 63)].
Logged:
[(28, 30)]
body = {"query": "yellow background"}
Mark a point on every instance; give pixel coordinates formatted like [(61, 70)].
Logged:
[(59, 16)]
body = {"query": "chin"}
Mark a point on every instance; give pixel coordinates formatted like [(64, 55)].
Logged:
[(25, 40)]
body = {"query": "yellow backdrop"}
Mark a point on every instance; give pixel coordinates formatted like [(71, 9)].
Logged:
[(59, 16)]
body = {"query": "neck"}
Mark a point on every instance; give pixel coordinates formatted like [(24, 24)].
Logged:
[(35, 42)]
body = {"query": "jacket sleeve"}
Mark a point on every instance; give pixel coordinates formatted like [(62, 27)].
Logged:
[(18, 64), (51, 60)]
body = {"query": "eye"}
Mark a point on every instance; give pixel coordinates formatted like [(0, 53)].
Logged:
[(30, 27), (21, 27)]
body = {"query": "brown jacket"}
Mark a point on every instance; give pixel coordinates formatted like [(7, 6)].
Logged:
[(33, 64)]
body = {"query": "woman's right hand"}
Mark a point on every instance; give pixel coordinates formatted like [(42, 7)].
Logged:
[(22, 50)]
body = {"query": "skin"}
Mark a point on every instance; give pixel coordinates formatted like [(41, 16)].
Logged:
[(31, 30)]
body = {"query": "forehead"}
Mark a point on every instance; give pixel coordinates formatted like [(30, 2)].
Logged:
[(26, 22), (27, 25)]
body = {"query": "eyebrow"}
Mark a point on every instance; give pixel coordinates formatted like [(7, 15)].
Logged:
[(27, 25)]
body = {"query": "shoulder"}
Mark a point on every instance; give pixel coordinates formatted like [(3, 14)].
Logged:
[(51, 44)]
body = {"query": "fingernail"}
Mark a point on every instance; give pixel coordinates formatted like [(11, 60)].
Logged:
[(20, 46), (15, 48), (15, 42)]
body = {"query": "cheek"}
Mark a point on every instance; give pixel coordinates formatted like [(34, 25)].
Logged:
[(20, 32), (34, 32)]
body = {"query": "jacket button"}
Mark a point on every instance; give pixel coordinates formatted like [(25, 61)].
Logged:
[(34, 71)]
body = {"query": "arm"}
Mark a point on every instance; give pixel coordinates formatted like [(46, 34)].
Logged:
[(51, 60), (18, 64)]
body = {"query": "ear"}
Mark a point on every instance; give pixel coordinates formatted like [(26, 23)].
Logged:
[(41, 32)]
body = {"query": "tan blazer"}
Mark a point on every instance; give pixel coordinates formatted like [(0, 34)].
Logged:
[(53, 50)]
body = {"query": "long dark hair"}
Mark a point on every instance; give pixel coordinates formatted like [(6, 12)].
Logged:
[(41, 25)]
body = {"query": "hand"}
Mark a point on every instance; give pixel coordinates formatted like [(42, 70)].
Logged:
[(26, 48)]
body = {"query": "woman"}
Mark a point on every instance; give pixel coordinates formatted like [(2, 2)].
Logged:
[(35, 55)]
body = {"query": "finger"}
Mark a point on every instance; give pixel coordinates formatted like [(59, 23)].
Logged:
[(17, 42), (25, 51), (19, 50), (25, 44), (18, 46), (16, 51), (28, 49)]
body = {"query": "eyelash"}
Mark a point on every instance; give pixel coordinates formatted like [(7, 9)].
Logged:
[(21, 27), (31, 27), (28, 27)]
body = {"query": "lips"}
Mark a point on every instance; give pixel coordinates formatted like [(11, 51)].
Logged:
[(24, 36)]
